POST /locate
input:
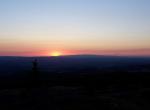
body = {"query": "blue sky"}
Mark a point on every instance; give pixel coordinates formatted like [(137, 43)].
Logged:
[(70, 25)]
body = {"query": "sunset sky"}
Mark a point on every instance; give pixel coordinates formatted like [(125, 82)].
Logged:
[(104, 27)]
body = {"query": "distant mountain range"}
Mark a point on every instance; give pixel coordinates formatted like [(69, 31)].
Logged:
[(71, 64)]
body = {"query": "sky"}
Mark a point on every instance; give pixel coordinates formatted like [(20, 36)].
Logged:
[(103, 27)]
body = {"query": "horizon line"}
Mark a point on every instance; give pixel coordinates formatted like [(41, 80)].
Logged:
[(75, 55)]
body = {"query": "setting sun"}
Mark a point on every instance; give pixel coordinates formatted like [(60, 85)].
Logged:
[(56, 54)]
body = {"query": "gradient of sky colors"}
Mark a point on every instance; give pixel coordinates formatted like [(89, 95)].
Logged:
[(109, 27)]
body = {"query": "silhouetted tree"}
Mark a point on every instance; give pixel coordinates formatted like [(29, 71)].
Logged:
[(35, 71), (35, 66)]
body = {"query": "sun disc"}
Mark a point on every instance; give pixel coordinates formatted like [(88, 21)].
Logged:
[(55, 54)]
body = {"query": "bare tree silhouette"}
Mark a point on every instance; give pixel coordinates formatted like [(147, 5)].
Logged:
[(35, 72)]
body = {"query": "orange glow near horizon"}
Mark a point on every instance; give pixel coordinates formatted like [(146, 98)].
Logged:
[(131, 52)]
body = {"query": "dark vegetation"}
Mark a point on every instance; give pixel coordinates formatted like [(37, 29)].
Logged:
[(75, 82)]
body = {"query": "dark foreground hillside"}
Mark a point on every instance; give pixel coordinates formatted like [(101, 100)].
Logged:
[(113, 91)]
